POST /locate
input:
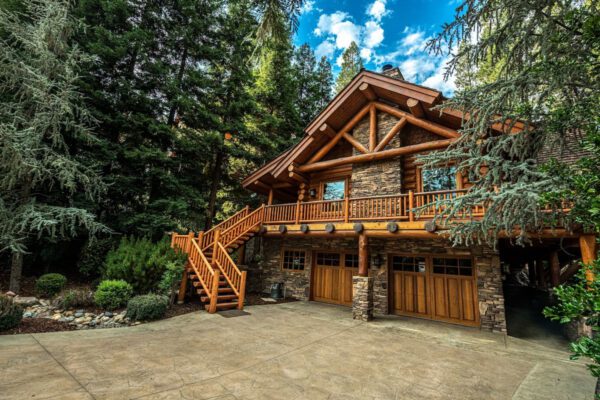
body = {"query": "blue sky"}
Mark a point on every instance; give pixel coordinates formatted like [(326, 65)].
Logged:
[(387, 31)]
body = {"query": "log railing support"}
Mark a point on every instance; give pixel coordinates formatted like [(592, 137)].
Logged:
[(297, 219), (182, 286), (589, 251), (411, 204), (215, 247), (363, 255), (242, 295), (346, 209), (212, 308)]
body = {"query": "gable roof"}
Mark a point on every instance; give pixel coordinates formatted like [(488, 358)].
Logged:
[(350, 103)]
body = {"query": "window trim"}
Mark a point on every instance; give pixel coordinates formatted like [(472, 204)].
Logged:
[(293, 249), (458, 178)]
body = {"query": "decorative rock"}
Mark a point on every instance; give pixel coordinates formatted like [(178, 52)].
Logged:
[(108, 314), (57, 317), (78, 314), (28, 314), (26, 301), (10, 293)]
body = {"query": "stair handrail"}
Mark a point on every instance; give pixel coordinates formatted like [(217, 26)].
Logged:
[(207, 238), (207, 275), (231, 234), (234, 276)]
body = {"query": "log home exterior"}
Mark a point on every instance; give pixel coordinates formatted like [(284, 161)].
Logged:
[(339, 224)]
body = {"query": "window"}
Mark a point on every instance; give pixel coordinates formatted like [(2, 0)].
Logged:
[(293, 260), (408, 264), (328, 259), (453, 266), (334, 190), (351, 260), (434, 179)]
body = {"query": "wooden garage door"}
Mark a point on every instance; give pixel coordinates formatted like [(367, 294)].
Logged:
[(332, 277), (441, 288)]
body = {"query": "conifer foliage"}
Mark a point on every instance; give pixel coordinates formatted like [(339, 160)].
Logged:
[(351, 65), (42, 122)]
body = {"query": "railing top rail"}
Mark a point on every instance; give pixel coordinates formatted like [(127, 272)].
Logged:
[(386, 196), (224, 250), (220, 224), (321, 202), (243, 219), (280, 205), (203, 257), (443, 191)]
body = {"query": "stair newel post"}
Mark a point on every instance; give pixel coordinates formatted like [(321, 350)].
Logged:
[(411, 204), (216, 247), (242, 294), (188, 247), (172, 240), (201, 240), (246, 210), (215, 292)]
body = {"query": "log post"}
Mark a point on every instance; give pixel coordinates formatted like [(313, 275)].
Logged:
[(540, 272), (411, 204), (270, 198), (182, 286), (531, 271), (188, 246), (201, 240), (363, 255), (216, 246), (242, 254), (346, 209), (297, 212), (242, 294), (173, 239), (212, 308), (372, 128), (589, 251), (555, 269)]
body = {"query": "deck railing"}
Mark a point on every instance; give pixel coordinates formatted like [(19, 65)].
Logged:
[(401, 207), (206, 239), (233, 275)]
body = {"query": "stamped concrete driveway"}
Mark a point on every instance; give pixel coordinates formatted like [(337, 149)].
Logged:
[(287, 351)]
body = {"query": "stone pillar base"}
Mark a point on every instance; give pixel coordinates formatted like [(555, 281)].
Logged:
[(362, 298)]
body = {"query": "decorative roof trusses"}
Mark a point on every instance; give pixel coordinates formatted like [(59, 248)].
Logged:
[(367, 94)]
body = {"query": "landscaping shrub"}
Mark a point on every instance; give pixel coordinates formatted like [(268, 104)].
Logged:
[(11, 314), (141, 263), (147, 307), (74, 298), (49, 285), (113, 294), (92, 257), (170, 280)]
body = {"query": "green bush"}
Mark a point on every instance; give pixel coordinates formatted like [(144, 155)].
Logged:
[(147, 307), (92, 257), (170, 279), (141, 263), (113, 294), (11, 314), (74, 298), (49, 285)]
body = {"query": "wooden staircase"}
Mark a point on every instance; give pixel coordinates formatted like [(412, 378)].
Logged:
[(216, 278)]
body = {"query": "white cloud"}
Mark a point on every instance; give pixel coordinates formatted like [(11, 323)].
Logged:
[(437, 81), (377, 10), (373, 34), (308, 6), (366, 54), (338, 26), (325, 49)]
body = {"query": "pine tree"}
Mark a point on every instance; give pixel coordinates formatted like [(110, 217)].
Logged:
[(307, 82), (41, 122), (324, 83), (351, 65)]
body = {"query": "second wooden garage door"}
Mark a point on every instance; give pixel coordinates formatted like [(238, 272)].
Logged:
[(332, 277), (441, 288)]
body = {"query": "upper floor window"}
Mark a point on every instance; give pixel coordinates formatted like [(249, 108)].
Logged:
[(334, 190), (434, 179)]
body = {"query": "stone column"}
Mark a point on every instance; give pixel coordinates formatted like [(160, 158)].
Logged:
[(362, 298), (489, 289)]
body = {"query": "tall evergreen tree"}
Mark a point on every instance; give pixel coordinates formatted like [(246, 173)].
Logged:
[(324, 83), (41, 122), (351, 65), (307, 82)]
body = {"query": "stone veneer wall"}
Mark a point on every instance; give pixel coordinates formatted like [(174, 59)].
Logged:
[(378, 177), (489, 279)]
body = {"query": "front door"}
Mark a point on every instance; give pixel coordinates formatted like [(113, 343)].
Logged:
[(440, 288), (332, 277)]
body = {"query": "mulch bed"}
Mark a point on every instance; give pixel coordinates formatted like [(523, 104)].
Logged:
[(39, 325)]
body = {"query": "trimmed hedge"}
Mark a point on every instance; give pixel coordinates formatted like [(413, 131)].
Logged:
[(147, 307), (11, 314), (113, 294), (49, 285)]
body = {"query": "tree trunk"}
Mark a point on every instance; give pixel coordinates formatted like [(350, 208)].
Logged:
[(182, 63), (16, 269), (214, 188)]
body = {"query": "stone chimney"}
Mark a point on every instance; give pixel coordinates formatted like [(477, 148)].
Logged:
[(391, 71)]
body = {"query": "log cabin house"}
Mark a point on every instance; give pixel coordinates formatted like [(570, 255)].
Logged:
[(339, 223)]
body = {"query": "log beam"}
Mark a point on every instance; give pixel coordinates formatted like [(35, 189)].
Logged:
[(362, 158), (391, 134), (328, 130), (367, 91), (421, 123), (372, 127), (363, 255), (325, 149), (355, 143), (415, 108)]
